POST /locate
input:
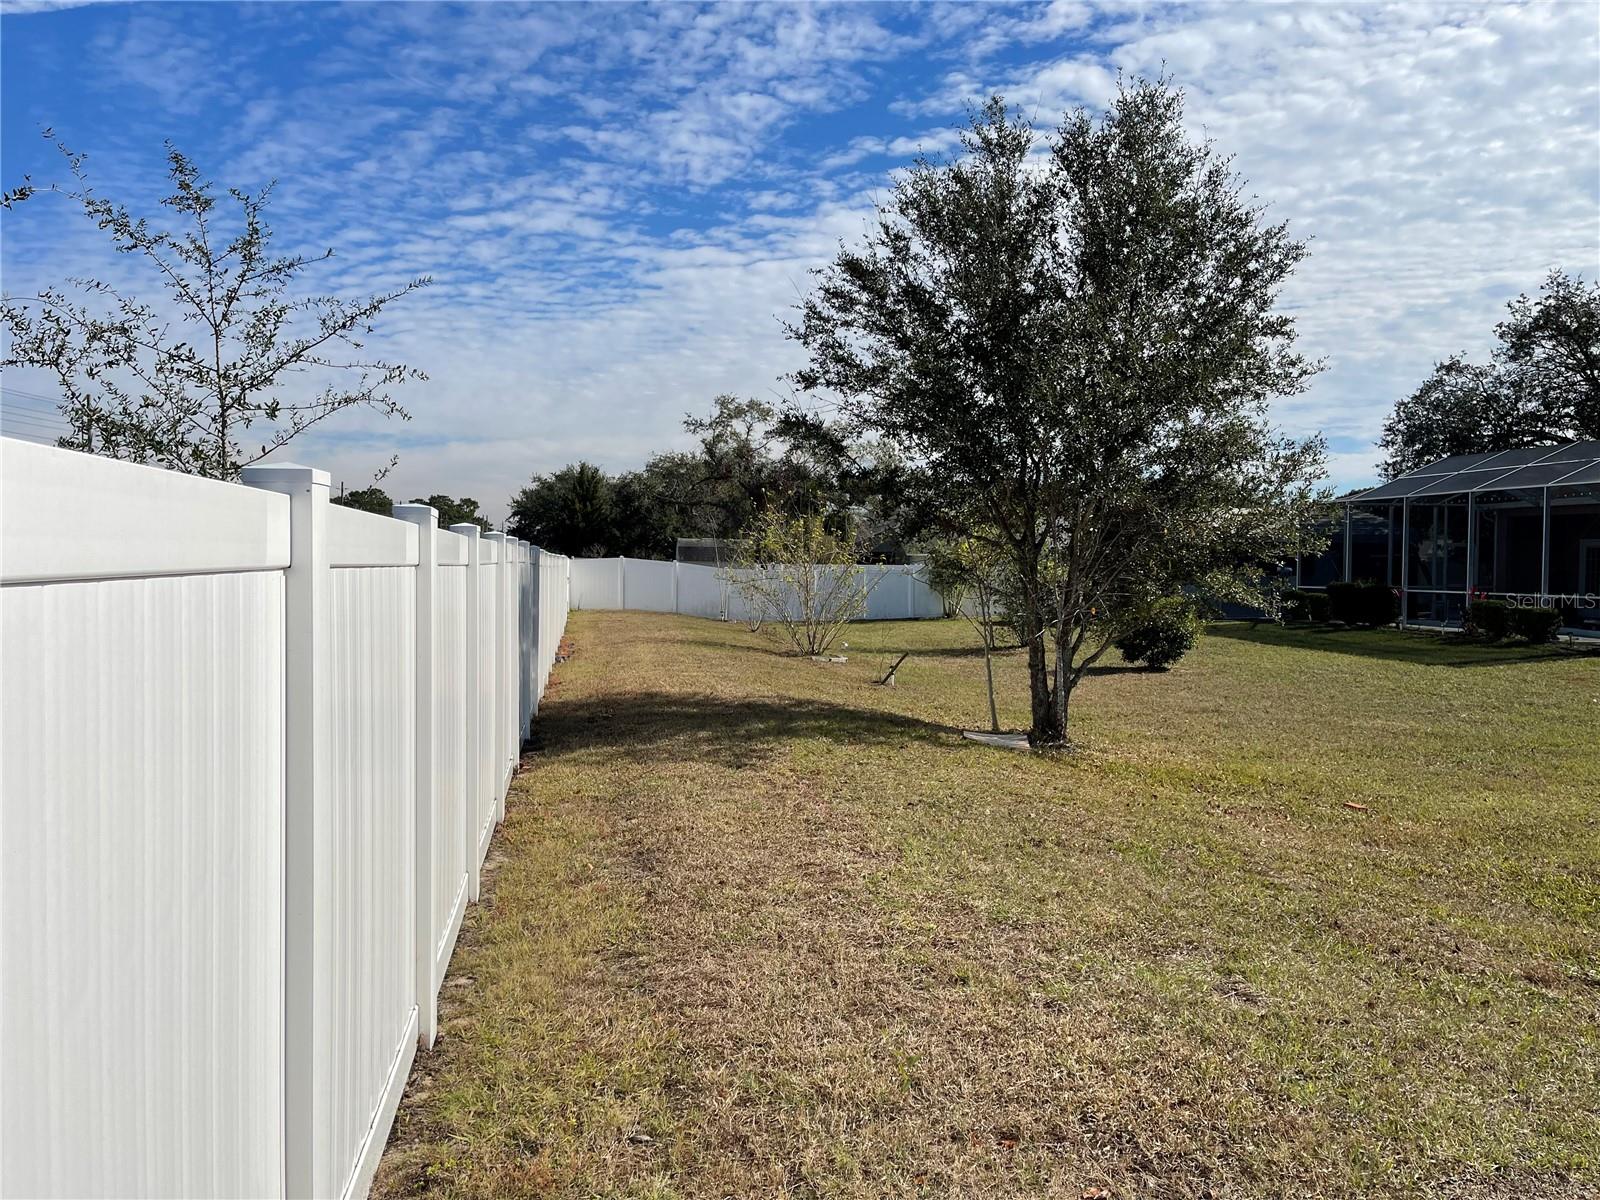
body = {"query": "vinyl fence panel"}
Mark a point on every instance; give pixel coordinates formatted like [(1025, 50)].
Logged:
[(527, 635), (453, 818), (650, 586), (373, 751), (252, 746), (598, 583), (557, 574), (486, 734), (508, 742), (899, 592), (142, 804), (702, 591)]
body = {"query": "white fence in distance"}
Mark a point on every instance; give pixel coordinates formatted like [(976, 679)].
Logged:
[(252, 748), (899, 593)]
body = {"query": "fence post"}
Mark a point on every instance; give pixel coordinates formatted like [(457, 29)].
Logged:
[(622, 582), (501, 758), (474, 701), (309, 1169), (513, 658), (530, 581), (514, 629), (675, 608), (427, 799)]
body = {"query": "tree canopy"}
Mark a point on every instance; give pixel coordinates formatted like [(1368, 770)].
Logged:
[(749, 457), (1074, 344), (368, 499), (569, 512), (455, 512), (1541, 386)]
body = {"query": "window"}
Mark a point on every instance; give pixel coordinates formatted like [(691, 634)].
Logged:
[(1509, 541), (1436, 544), (1374, 529), (1575, 554)]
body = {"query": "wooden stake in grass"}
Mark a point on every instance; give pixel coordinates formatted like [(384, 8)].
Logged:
[(888, 680)]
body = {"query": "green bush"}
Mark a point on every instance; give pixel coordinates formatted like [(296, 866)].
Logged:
[(1305, 606), (1364, 603), (1538, 625), (1489, 618), (1167, 636)]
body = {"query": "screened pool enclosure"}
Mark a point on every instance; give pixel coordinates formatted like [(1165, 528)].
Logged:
[(1520, 525)]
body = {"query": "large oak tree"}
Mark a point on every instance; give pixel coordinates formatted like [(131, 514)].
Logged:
[(1074, 341)]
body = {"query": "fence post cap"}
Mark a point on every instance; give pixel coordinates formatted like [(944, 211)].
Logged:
[(418, 514), (469, 529), (284, 474)]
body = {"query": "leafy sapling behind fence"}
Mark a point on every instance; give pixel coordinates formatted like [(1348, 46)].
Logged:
[(802, 577)]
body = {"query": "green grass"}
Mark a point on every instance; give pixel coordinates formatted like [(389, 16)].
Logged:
[(758, 927)]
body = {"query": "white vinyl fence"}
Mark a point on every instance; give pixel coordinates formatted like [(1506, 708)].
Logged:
[(899, 593), (254, 747)]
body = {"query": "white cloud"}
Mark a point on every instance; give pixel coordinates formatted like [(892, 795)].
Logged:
[(619, 204), (21, 8)]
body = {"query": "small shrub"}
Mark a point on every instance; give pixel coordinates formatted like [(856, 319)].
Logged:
[(1305, 606), (1538, 625), (1169, 634), (1364, 603), (1488, 619), (801, 576)]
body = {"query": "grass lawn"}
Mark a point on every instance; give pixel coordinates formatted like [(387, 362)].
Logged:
[(756, 927)]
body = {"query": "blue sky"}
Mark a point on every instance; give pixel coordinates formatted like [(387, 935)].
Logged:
[(618, 204)]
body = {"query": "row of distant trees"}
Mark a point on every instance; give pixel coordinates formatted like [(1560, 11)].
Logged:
[(749, 458), (451, 511)]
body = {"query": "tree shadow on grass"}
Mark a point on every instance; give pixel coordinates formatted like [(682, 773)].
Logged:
[(892, 652), (774, 649), (671, 727), (1393, 645)]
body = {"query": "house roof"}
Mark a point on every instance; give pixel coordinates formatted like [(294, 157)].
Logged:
[(1498, 470)]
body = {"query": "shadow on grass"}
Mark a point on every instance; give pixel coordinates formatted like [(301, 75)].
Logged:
[(1393, 645), (853, 650), (667, 727), (891, 652)]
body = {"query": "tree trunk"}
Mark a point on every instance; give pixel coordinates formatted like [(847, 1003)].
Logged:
[(988, 668), (1062, 688), (1046, 729)]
